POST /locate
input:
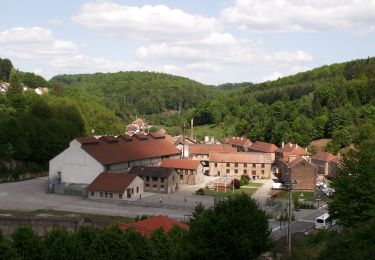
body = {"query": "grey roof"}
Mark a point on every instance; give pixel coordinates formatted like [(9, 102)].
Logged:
[(151, 171)]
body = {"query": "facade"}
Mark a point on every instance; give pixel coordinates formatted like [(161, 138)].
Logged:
[(242, 144), (289, 152), (116, 186), (263, 147), (300, 172), (326, 163), (158, 180), (190, 171), (200, 152), (255, 165), (147, 226), (87, 157)]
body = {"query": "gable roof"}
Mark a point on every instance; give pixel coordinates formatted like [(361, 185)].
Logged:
[(293, 149), (241, 157), (324, 156), (238, 141), (126, 149), (298, 160), (211, 148), (112, 182), (263, 147), (180, 164), (151, 171), (147, 226)]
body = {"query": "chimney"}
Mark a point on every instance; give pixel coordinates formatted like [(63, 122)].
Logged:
[(192, 128), (282, 144)]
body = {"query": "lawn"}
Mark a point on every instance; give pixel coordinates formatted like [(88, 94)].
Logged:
[(247, 190), (254, 184)]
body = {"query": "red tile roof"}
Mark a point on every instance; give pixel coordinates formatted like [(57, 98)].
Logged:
[(111, 182), (324, 156), (131, 150), (180, 164), (297, 160), (263, 147), (211, 148), (238, 141), (293, 149), (87, 140), (241, 157), (147, 226)]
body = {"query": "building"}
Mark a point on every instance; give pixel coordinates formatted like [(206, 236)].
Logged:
[(300, 172), (158, 180), (255, 165), (263, 147), (87, 157), (137, 126), (116, 186), (241, 143), (289, 152), (190, 171), (201, 152), (326, 163), (147, 226)]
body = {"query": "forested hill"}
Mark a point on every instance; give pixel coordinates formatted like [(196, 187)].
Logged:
[(142, 93), (336, 101)]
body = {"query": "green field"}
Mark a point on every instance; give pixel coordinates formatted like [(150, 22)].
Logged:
[(246, 190)]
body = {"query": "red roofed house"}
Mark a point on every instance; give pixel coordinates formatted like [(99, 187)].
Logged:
[(116, 186), (87, 157), (147, 226), (326, 163), (263, 147), (190, 171), (256, 165), (289, 152), (241, 143), (300, 172)]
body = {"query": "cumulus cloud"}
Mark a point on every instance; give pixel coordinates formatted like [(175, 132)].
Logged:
[(304, 15), (273, 76), (154, 23), (33, 43)]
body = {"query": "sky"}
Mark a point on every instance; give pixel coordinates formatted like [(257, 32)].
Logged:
[(213, 42)]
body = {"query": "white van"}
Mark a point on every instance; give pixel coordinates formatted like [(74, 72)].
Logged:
[(324, 222)]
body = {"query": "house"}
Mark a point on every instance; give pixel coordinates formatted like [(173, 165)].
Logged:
[(137, 126), (147, 226), (116, 186), (326, 163), (289, 152), (241, 143), (263, 147), (4, 86), (87, 157), (300, 172), (178, 141), (156, 179), (190, 171), (255, 165)]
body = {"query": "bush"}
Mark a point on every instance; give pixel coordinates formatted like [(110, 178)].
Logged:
[(236, 183), (200, 192), (244, 180)]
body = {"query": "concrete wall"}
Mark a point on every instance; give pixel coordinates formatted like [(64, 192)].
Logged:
[(191, 177), (75, 165), (168, 185), (258, 170)]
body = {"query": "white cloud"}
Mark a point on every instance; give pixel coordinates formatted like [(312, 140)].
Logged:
[(33, 43), (55, 21), (302, 15), (273, 76), (154, 23)]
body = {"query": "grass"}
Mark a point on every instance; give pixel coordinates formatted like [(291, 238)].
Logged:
[(249, 191), (308, 195), (210, 130), (254, 184)]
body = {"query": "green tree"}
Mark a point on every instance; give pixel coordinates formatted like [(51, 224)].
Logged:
[(235, 228), (27, 243), (7, 251), (353, 201), (5, 68)]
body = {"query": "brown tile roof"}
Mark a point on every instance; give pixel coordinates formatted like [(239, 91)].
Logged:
[(124, 151), (238, 141), (151, 171), (263, 147), (241, 157), (180, 164), (211, 148), (109, 139), (297, 160), (147, 226), (323, 156), (293, 149), (87, 140), (112, 182), (138, 121)]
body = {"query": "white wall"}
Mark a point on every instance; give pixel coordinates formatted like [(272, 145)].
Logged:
[(75, 164)]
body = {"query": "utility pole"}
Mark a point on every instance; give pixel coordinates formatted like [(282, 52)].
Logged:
[(290, 219), (183, 141)]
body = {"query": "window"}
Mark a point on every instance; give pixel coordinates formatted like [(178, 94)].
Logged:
[(132, 191), (181, 177), (236, 171), (137, 189), (120, 196), (154, 186), (162, 186), (173, 177), (253, 173), (263, 172), (147, 178), (106, 195), (215, 164), (147, 185), (162, 179), (107, 168), (227, 171), (236, 165), (92, 194), (111, 195), (101, 194), (244, 171), (228, 164), (245, 165), (155, 178), (262, 165), (254, 165)]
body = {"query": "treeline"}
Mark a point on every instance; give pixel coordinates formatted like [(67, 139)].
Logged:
[(336, 101), (214, 233)]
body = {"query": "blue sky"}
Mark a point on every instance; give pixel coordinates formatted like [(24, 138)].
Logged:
[(210, 41)]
